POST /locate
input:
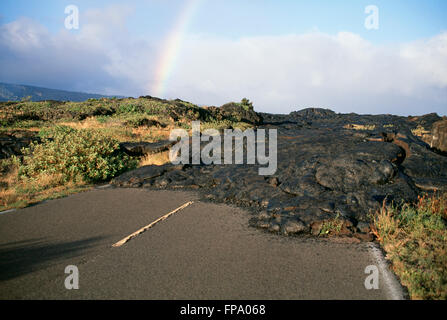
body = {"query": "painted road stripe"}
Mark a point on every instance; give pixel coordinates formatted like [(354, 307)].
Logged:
[(140, 231)]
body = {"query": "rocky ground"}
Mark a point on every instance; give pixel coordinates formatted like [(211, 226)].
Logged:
[(331, 167)]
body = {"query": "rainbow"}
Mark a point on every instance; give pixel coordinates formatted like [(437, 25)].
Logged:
[(171, 48)]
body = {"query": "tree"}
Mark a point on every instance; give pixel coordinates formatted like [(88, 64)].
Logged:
[(246, 104)]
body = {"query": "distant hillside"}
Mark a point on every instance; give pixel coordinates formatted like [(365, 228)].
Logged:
[(17, 92)]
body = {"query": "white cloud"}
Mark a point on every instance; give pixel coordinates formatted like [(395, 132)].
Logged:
[(279, 73), (343, 72), (101, 58)]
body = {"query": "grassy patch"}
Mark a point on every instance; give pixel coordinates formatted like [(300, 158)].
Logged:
[(420, 131), (120, 129), (331, 226), (157, 159), (415, 240), (353, 126), (19, 192), (224, 124)]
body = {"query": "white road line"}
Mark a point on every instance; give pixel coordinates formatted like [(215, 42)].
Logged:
[(140, 231), (105, 186), (8, 211), (394, 289)]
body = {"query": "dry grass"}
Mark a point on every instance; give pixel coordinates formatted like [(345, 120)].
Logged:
[(157, 159), (116, 129), (420, 131), (89, 123), (415, 240), (152, 134), (18, 193), (353, 126)]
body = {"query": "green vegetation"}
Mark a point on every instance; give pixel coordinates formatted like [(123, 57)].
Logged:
[(79, 141), (246, 104), (415, 240), (75, 154), (12, 114), (331, 226), (18, 191), (224, 124)]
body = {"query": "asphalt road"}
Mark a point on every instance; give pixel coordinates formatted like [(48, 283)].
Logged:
[(205, 251)]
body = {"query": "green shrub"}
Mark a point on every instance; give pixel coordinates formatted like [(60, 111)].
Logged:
[(76, 154), (6, 164), (4, 123), (246, 104), (130, 108), (103, 119), (51, 132), (24, 124)]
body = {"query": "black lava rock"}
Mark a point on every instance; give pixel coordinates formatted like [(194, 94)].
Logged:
[(330, 166)]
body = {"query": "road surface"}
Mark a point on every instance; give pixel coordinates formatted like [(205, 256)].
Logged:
[(204, 251)]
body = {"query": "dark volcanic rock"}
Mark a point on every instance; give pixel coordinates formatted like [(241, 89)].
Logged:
[(138, 177), (144, 122), (438, 137), (98, 111), (12, 143), (329, 166), (314, 113), (239, 113), (426, 121), (143, 148)]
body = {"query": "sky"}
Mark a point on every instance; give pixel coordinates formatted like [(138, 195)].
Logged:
[(283, 55)]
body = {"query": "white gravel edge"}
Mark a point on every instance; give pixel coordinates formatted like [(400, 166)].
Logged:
[(393, 288)]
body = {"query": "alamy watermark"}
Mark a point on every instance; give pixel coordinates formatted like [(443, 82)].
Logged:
[(372, 280), (72, 20), (211, 153), (72, 281), (372, 20)]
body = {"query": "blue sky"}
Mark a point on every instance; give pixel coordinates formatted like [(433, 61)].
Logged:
[(275, 52), (401, 20)]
